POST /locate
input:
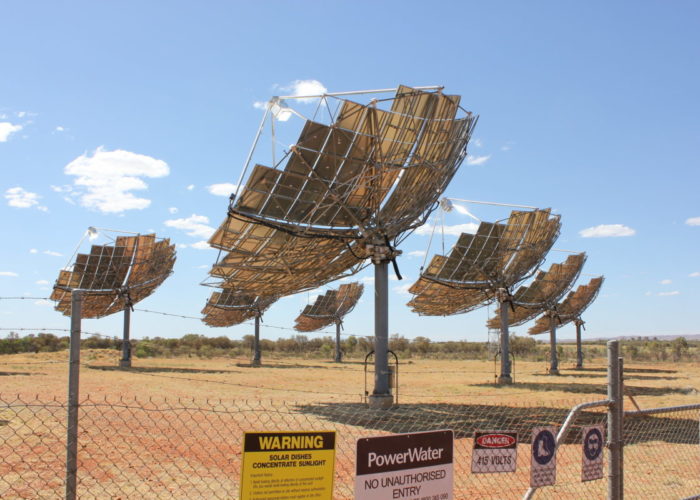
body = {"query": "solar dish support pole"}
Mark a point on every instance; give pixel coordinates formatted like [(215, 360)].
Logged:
[(503, 299), (338, 353), (381, 397), (125, 362), (73, 396), (615, 442), (579, 350), (256, 342), (553, 361)]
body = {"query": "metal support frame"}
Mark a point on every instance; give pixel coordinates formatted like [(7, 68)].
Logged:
[(579, 350), (256, 343), (505, 376), (125, 362), (73, 397), (381, 396), (553, 360), (615, 441), (338, 352)]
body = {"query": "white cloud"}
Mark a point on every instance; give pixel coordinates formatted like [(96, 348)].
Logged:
[(60, 129), (42, 282), (476, 142), (195, 225), (695, 275), (648, 294), (477, 160), (201, 245), (8, 273), (21, 114), (665, 282), (42, 302), (223, 189), (456, 230), (693, 221), (21, 198), (667, 294), (7, 129), (33, 250), (416, 253), (190, 187), (402, 289), (108, 178), (607, 231), (52, 253), (367, 279), (305, 87), (172, 210)]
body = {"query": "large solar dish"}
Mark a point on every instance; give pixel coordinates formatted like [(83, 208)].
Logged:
[(483, 267), (114, 276), (328, 308), (362, 174)]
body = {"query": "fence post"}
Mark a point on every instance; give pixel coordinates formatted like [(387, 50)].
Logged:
[(73, 386), (615, 430)]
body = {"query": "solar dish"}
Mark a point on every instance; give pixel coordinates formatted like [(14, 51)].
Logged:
[(229, 307), (329, 308), (543, 292), (569, 310), (350, 188), (484, 267), (114, 276)]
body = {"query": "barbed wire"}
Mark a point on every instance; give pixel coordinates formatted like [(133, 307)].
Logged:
[(25, 298)]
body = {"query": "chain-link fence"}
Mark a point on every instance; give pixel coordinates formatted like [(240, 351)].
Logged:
[(187, 448), (662, 452), (131, 448)]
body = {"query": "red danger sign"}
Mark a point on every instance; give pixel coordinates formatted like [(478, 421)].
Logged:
[(494, 451), (496, 440)]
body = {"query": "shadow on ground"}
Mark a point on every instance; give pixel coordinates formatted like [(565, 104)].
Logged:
[(465, 419), (601, 389), (157, 369), (627, 370), (282, 365), (8, 374), (627, 376)]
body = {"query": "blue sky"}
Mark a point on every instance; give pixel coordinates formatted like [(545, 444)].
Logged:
[(130, 115)]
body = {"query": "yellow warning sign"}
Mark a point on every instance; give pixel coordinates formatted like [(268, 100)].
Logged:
[(288, 465)]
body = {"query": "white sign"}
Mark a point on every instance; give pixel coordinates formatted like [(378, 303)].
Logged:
[(543, 466), (495, 451), (593, 443), (415, 466)]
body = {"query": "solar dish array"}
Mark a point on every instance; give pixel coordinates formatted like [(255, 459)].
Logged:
[(571, 308), (545, 291), (329, 308), (498, 255), (230, 307), (112, 276), (373, 173)]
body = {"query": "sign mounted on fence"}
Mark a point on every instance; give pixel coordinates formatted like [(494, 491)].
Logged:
[(495, 451), (543, 466), (593, 442), (405, 466), (288, 465)]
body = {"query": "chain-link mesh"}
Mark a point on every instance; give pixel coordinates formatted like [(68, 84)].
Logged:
[(136, 448), (662, 453)]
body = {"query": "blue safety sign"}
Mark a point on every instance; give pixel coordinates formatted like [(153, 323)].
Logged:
[(543, 465), (543, 447)]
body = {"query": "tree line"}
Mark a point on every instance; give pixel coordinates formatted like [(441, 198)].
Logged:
[(193, 345)]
